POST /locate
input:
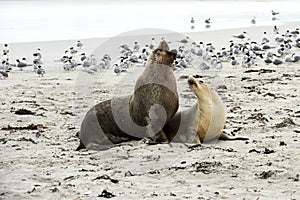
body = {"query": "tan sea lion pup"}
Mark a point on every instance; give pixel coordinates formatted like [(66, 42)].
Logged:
[(203, 122), (142, 114)]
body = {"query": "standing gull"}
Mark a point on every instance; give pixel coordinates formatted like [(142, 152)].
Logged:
[(37, 56), (136, 47), (5, 57), (296, 58), (83, 57), (5, 49), (234, 62), (192, 20), (73, 51), (118, 69), (3, 73), (153, 43), (207, 22), (274, 13), (3, 69), (38, 53), (20, 64), (265, 38), (35, 65), (277, 62), (79, 44), (295, 33), (241, 36), (40, 71), (275, 29)]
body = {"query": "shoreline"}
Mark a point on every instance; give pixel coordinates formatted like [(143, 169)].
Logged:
[(55, 49), (125, 34), (232, 14)]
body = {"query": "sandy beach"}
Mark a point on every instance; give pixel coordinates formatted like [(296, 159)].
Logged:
[(39, 160)]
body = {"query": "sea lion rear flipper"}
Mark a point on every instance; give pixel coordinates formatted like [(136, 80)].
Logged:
[(223, 136)]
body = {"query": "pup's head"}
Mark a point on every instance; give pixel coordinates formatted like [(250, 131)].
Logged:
[(200, 89), (162, 55)]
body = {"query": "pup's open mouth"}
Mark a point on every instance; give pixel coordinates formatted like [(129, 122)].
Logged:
[(191, 81)]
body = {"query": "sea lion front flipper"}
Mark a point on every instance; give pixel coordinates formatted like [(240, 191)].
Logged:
[(156, 121), (159, 138), (149, 141)]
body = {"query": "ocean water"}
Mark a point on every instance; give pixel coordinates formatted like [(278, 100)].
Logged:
[(26, 21)]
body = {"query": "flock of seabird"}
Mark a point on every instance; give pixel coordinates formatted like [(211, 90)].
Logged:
[(275, 49), (207, 21), (6, 66)]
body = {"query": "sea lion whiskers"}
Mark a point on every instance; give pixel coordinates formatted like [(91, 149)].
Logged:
[(160, 56)]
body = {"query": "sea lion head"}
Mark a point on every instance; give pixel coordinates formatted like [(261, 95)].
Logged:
[(162, 55), (201, 89)]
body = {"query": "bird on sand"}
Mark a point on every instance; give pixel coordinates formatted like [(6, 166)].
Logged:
[(241, 36), (277, 62), (274, 13), (40, 71), (253, 21), (192, 20), (207, 21), (79, 44), (3, 73)]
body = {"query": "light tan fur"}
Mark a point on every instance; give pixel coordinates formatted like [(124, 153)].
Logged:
[(204, 121), (212, 111)]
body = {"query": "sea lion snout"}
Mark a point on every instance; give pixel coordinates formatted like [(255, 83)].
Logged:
[(191, 81), (162, 55)]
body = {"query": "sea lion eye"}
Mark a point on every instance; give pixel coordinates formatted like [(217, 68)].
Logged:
[(174, 51), (200, 81)]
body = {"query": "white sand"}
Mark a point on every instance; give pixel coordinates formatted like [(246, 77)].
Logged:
[(42, 164)]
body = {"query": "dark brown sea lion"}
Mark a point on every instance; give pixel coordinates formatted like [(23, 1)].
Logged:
[(143, 114), (102, 127), (204, 121), (155, 98)]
